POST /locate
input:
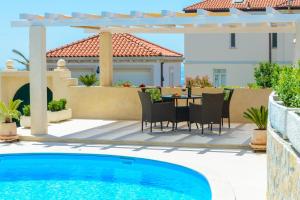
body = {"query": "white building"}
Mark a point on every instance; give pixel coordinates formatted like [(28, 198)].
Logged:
[(230, 59), (134, 60)]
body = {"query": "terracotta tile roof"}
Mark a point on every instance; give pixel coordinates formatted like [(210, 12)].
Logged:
[(124, 45), (224, 5)]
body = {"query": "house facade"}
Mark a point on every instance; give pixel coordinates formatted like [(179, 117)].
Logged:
[(134, 59), (230, 58)]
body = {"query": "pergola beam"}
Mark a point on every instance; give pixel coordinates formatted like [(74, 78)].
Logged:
[(116, 22)]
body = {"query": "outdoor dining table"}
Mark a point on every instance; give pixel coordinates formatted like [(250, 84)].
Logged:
[(182, 112), (181, 97)]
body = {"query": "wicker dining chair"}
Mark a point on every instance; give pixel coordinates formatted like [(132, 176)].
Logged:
[(209, 112), (156, 112)]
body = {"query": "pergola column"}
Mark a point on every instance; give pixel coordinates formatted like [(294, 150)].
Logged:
[(106, 59), (38, 80), (297, 45)]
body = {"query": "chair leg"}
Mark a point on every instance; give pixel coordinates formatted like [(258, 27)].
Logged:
[(150, 127), (219, 129), (190, 126), (229, 122), (197, 126), (161, 126), (142, 126), (173, 125), (222, 121), (211, 126), (168, 124), (202, 129), (176, 125)]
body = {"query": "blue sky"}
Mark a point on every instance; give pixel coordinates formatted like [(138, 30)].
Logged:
[(17, 38)]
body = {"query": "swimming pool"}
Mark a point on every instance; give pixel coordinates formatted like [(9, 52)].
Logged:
[(81, 176)]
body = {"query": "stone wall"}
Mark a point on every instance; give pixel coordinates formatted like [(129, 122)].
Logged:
[(283, 169)]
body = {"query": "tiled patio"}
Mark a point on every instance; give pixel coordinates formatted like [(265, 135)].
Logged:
[(129, 133)]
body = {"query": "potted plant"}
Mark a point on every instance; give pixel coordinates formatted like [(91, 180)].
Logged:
[(57, 111), (88, 79), (285, 98), (259, 116), (8, 128), (25, 119)]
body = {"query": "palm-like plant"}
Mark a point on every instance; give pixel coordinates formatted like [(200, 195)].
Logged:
[(10, 112), (22, 60), (88, 79), (259, 116)]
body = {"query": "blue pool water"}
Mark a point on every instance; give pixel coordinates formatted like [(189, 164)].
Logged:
[(78, 176)]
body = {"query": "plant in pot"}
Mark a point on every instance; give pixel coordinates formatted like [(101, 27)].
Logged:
[(25, 119), (8, 128), (57, 111), (88, 79), (259, 116)]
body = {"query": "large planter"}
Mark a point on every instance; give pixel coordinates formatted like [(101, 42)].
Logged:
[(293, 129), (8, 129), (53, 117), (259, 140), (278, 115), (8, 132), (59, 115), (25, 121)]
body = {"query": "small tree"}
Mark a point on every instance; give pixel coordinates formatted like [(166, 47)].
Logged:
[(22, 60), (288, 87), (267, 74)]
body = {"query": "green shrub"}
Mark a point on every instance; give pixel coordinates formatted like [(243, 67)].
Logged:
[(88, 79), (10, 111), (154, 94), (259, 116), (266, 74), (198, 82), (253, 86), (63, 103), (26, 110), (55, 106), (288, 87)]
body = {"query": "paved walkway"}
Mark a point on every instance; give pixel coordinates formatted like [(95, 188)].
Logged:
[(129, 133), (243, 171)]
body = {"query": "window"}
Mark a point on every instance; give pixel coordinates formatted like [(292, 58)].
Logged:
[(219, 77), (232, 40), (274, 40)]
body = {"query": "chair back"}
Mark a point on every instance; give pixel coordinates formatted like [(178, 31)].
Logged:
[(226, 106), (212, 105), (146, 102), (229, 92)]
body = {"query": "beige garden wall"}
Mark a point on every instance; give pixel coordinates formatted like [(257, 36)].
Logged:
[(123, 103), (115, 103)]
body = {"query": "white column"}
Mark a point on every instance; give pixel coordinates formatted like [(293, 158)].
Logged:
[(297, 45), (106, 59), (38, 80)]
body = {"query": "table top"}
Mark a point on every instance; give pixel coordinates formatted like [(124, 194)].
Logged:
[(182, 97)]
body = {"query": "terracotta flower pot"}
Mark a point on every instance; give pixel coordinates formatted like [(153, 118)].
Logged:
[(8, 129), (259, 140)]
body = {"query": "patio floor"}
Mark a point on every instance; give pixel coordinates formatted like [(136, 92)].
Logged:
[(129, 133)]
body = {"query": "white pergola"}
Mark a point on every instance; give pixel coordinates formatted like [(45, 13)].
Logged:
[(235, 21)]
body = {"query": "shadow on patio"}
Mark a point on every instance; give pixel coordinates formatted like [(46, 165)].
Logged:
[(129, 133)]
